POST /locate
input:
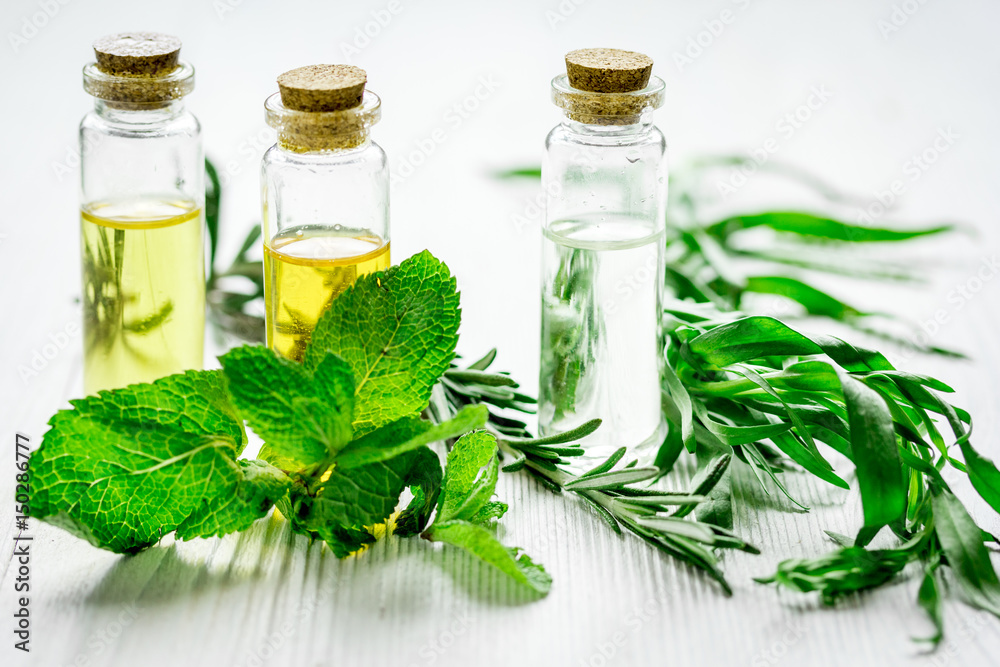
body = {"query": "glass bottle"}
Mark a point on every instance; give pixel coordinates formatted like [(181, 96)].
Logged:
[(605, 178), (325, 198), (142, 227)]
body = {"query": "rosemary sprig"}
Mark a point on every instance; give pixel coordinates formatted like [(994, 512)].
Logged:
[(620, 495)]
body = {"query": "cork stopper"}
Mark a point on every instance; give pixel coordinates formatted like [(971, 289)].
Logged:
[(148, 54), (608, 70), (317, 88)]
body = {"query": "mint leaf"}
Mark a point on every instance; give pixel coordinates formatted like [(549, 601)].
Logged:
[(303, 416), (480, 542), (489, 513), (342, 510), (259, 485), (125, 467), (466, 513), (397, 331), (470, 478), (408, 433)]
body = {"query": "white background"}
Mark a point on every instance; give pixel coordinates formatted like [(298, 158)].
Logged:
[(893, 88)]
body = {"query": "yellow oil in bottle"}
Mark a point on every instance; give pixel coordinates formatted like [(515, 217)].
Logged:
[(305, 269), (143, 291)]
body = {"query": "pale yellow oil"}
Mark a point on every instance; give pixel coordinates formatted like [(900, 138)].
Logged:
[(143, 291), (305, 269)]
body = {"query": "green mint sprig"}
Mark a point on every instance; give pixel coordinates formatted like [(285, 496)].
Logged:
[(343, 438)]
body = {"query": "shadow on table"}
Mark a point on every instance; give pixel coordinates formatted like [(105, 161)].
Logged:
[(269, 554)]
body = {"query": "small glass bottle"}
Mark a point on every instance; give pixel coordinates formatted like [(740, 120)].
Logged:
[(605, 178), (142, 226), (325, 198)]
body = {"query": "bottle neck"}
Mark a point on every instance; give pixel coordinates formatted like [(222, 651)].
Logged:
[(323, 144), (610, 134), (125, 113)]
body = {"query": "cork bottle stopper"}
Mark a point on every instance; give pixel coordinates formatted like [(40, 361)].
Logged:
[(148, 54), (322, 87), (608, 70)]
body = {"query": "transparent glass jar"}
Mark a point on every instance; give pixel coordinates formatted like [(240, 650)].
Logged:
[(605, 178), (325, 214), (142, 194)]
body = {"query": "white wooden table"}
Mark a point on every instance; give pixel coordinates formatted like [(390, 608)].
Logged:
[(268, 597)]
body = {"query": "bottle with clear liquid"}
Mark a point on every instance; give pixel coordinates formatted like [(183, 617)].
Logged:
[(605, 178), (141, 221), (325, 189)]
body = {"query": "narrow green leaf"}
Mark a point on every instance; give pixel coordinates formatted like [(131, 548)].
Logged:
[(962, 543), (929, 599), (876, 456), (610, 480), (818, 227), (983, 474), (480, 377), (749, 338), (578, 433), (608, 463), (816, 302)]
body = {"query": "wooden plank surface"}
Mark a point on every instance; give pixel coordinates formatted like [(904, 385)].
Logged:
[(267, 597)]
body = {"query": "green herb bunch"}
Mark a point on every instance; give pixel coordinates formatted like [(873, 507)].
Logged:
[(756, 391), (342, 431)]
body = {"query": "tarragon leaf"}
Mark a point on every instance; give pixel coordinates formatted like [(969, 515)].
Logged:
[(819, 227), (876, 456), (983, 474), (962, 543), (124, 468), (397, 331), (841, 572), (303, 416)]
